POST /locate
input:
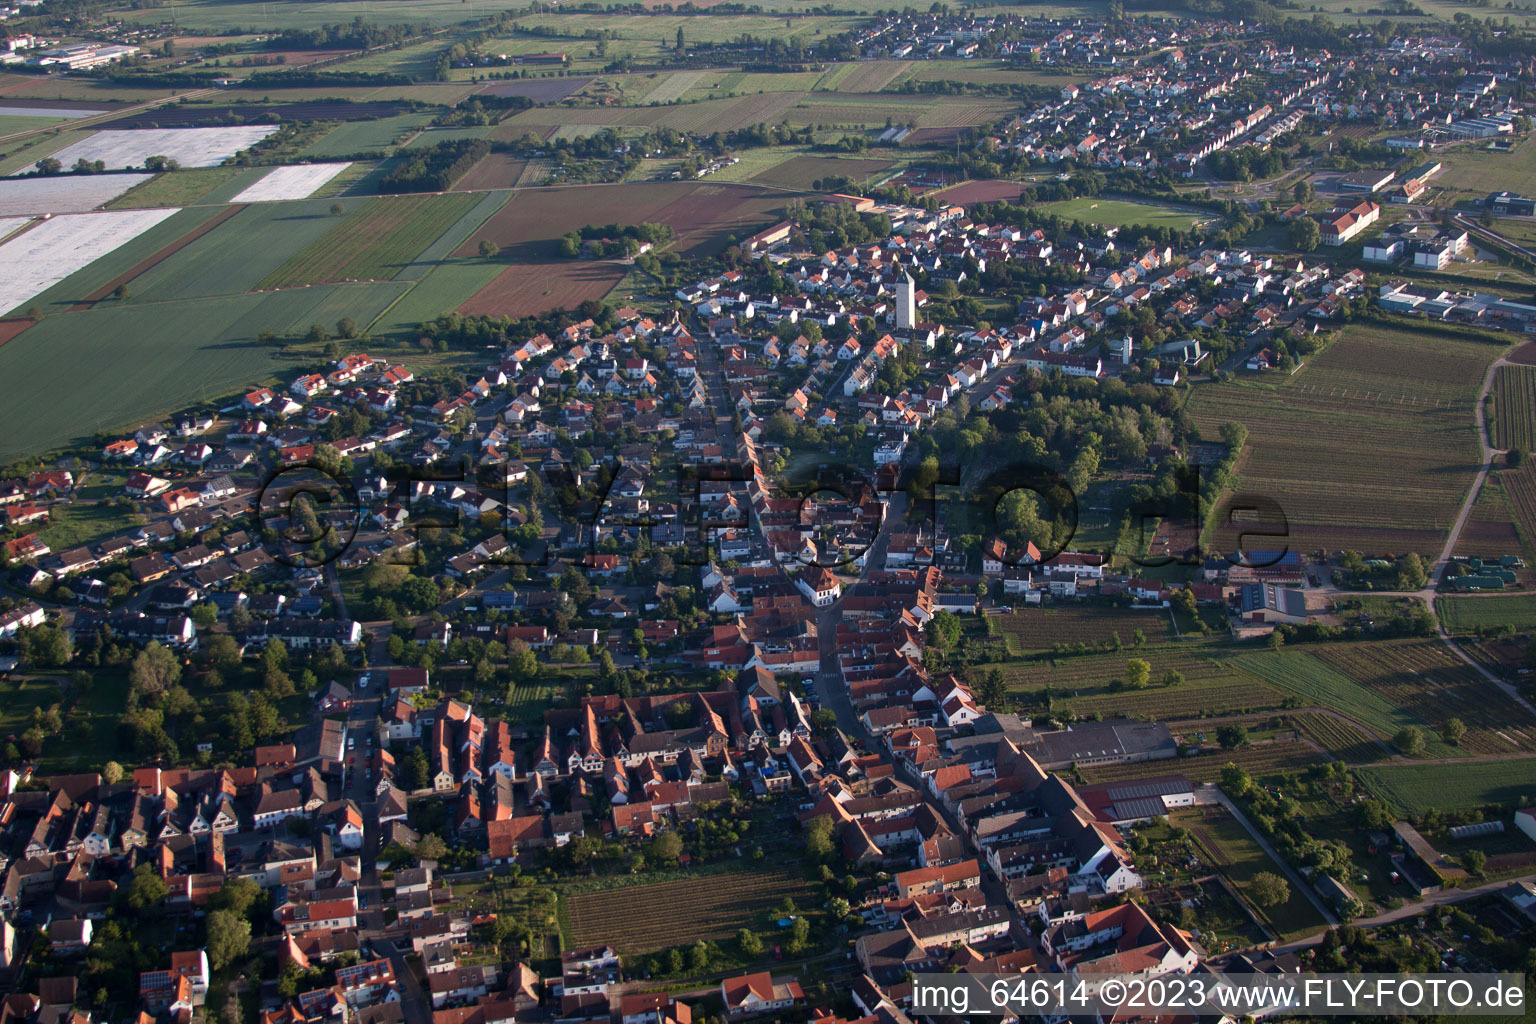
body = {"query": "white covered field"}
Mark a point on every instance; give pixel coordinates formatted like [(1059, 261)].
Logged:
[(39, 259), (190, 147), (69, 114), (68, 193), (296, 182)]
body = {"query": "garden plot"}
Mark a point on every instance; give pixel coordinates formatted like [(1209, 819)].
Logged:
[(297, 182), (41, 258), (189, 147), (74, 193)]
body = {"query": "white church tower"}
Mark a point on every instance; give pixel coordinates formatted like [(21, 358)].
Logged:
[(906, 303)]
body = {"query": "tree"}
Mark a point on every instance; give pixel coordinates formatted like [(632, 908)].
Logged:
[(1173, 677), (488, 249), (431, 847), (155, 670), (1305, 234), (521, 662), (818, 839), (112, 773), (667, 847), (237, 895), (1232, 736), (1269, 889), (48, 165), (1409, 740), (991, 689), (1235, 780), (748, 942), (1303, 192), (1475, 860), (346, 327), (120, 292), (1138, 671), (145, 889), (337, 209), (229, 938), (1453, 730)]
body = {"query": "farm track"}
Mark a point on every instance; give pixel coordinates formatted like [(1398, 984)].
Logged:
[(154, 259)]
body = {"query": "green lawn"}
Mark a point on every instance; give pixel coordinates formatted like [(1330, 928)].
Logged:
[(1117, 213), (1233, 853), (1468, 614)]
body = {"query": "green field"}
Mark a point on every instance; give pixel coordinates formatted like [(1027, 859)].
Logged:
[(59, 384), (238, 254), (12, 123), (1415, 788), (1469, 614), (367, 136), (1116, 213), (373, 241), (180, 188)]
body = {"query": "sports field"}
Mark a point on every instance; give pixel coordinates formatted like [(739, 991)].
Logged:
[(1117, 213)]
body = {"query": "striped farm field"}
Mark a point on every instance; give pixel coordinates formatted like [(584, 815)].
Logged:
[(375, 242), (1514, 407), (1271, 759), (1421, 676), (1413, 789), (1371, 446), (645, 918), (1320, 685), (1344, 740), (1041, 629)]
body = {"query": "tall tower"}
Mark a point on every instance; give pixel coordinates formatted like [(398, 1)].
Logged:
[(906, 303)]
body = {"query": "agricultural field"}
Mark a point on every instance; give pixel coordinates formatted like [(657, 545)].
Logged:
[(41, 114), (1214, 682), (1315, 439), (241, 253), (1320, 685), (1513, 420), (1414, 789), (164, 356), (297, 182), (1491, 528), (1468, 614), (1118, 213), (177, 188), (988, 191), (1260, 762), (1421, 676), (53, 250), (806, 171), (63, 194), (373, 242), (704, 216), (645, 918), (11, 124), (1340, 737), (496, 170), (1042, 629), (354, 137), (190, 147)]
